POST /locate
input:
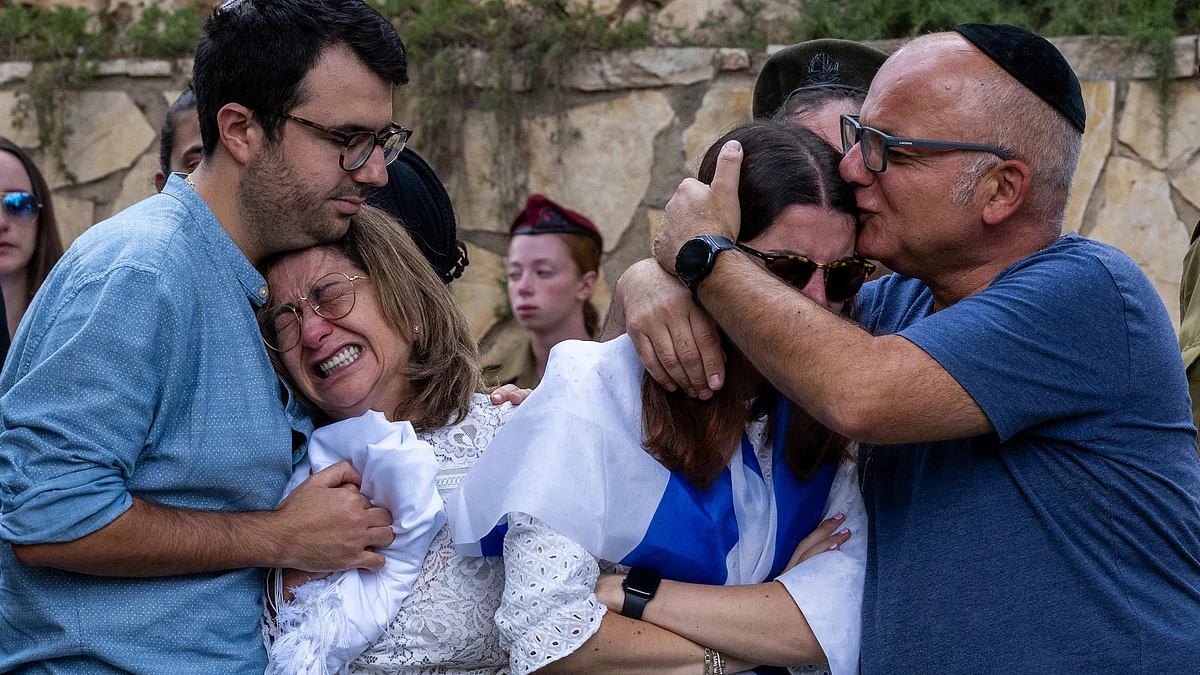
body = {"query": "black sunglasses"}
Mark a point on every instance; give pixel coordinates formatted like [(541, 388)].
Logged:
[(21, 205), (843, 278), (875, 144)]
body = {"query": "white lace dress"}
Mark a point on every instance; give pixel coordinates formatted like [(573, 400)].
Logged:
[(447, 624)]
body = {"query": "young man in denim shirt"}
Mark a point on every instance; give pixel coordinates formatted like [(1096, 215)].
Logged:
[(145, 438)]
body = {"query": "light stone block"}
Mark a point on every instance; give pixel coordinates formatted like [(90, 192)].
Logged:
[(170, 96), (1188, 183), (110, 134), (1114, 58), (1140, 124), (15, 71), (473, 186), (1139, 218), (1099, 98), (138, 183), (724, 106), (686, 15), (135, 68), (481, 289), (733, 59), (604, 170), (74, 217), (26, 136), (641, 68)]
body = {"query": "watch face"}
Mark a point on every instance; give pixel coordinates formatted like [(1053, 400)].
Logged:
[(692, 258)]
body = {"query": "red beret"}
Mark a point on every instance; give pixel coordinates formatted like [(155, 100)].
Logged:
[(543, 216)]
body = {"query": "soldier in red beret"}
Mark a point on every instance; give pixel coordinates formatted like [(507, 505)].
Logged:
[(553, 264)]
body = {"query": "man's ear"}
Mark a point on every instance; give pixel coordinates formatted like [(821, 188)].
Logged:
[(1009, 181), (241, 135), (160, 180)]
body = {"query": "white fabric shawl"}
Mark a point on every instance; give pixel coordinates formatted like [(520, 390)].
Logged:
[(333, 620), (572, 456)]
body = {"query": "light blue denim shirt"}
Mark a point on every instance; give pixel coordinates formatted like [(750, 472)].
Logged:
[(138, 371)]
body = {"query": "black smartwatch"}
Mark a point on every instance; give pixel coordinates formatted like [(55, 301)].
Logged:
[(640, 586), (697, 257)]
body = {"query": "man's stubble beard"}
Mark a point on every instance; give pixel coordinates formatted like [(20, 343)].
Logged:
[(279, 212)]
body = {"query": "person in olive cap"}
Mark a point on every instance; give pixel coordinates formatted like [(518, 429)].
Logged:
[(553, 266), (1028, 457), (814, 83)]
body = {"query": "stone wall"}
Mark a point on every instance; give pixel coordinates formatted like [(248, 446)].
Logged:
[(620, 131)]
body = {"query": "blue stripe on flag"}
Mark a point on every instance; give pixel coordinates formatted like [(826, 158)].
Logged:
[(691, 534), (493, 544), (799, 504)]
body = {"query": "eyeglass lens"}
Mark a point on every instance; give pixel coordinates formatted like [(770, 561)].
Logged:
[(362, 145), (842, 281), (21, 205), (331, 297)]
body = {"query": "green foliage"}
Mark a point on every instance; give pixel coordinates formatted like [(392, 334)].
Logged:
[(1152, 25), (159, 34), (67, 45)]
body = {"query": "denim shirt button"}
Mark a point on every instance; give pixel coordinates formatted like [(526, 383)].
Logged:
[(262, 291)]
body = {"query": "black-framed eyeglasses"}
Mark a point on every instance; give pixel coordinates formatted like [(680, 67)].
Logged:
[(22, 205), (357, 147), (331, 297), (875, 144), (843, 277)]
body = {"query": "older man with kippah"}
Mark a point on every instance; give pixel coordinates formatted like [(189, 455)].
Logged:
[(1028, 458)]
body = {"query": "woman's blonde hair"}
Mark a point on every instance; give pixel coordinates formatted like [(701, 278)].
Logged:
[(443, 366)]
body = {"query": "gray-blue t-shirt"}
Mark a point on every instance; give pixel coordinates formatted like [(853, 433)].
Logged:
[(139, 371), (1067, 541)]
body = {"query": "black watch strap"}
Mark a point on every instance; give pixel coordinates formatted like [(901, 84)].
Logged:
[(640, 586)]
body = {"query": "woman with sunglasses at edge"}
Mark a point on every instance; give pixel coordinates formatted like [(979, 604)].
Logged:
[(738, 519), (29, 242)]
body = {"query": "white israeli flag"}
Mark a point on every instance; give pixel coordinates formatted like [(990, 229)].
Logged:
[(572, 456)]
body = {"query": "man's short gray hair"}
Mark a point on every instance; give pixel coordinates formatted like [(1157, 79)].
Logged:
[(1018, 121)]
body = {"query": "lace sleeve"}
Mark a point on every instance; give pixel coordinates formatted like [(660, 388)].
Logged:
[(549, 608)]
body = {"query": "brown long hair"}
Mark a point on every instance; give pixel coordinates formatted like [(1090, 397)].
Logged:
[(443, 367), (783, 165), (586, 254), (48, 246)]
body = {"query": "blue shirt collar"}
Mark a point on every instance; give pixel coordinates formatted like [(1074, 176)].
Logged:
[(222, 249)]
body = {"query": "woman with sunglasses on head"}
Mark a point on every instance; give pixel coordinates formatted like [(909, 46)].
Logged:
[(737, 520), (29, 243)]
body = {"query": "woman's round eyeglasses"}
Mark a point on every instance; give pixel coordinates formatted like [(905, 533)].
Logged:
[(331, 297)]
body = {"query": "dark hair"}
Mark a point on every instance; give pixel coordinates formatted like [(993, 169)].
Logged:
[(783, 165), (257, 53), (808, 100), (186, 103), (48, 246)]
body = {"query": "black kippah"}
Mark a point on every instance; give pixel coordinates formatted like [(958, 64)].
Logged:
[(415, 196), (1035, 63)]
